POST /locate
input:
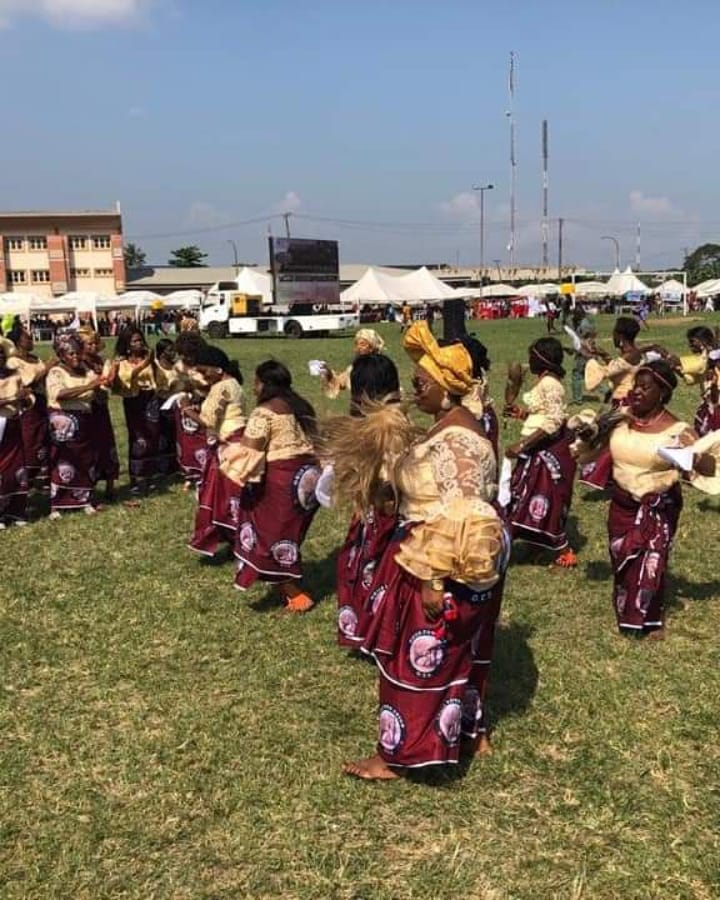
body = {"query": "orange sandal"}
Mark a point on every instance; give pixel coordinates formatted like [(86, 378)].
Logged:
[(300, 603), (567, 559)]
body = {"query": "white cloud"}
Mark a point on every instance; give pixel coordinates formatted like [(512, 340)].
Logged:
[(202, 214), (463, 207), (652, 206), (75, 13), (291, 202)]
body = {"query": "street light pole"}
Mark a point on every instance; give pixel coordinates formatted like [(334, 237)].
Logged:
[(235, 253), (482, 188), (609, 237)]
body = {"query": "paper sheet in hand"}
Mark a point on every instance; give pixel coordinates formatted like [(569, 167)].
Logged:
[(316, 367), (680, 457), (576, 342)]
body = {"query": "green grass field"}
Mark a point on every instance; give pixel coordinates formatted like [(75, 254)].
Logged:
[(163, 736)]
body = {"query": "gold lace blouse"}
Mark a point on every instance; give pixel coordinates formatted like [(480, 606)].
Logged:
[(276, 436), (10, 388), (637, 467), (32, 373), (546, 406), (145, 380), (619, 372), (61, 379), (446, 483), (223, 410)]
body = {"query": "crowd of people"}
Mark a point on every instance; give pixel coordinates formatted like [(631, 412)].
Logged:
[(432, 509)]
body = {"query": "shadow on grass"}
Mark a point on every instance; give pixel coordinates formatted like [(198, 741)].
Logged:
[(591, 496), (680, 589), (513, 682), (598, 570), (526, 554), (318, 580)]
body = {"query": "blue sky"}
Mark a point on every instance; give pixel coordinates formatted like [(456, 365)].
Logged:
[(369, 121)]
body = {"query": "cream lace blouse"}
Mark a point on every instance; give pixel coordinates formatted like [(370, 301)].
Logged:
[(32, 373), (546, 406), (61, 379), (276, 436), (123, 383), (446, 483), (619, 372), (10, 388), (637, 467), (223, 410)]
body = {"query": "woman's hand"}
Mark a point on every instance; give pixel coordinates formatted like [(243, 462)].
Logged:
[(512, 411), (432, 601), (514, 450)]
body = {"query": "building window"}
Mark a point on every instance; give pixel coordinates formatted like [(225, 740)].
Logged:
[(38, 243), (17, 277), (15, 243), (101, 241), (78, 242), (80, 273), (103, 273), (41, 276)]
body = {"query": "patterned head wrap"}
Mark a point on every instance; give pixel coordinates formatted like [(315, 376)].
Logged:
[(371, 337), (450, 366), (67, 342)]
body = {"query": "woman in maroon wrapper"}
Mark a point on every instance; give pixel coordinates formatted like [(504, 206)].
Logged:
[(15, 399), (439, 584), (275, 465)]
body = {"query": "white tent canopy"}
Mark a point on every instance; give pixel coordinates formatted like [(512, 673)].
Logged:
[(708, 288), (672, 288), (499, 290), (183, 299), (15, 304), (538, 290), (75, 301), (591, 289), (250, 281), (625, 282), (418, 286)]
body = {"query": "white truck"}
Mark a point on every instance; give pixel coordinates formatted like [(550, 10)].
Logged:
[(226, 311)]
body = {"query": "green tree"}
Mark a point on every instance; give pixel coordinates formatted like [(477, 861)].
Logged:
[(702, 264), (190, 257), (135, 256)]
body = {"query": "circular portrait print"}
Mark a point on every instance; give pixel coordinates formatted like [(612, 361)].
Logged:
[(391, 728)]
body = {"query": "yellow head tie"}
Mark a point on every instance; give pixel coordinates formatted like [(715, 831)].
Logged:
[(450, 366)]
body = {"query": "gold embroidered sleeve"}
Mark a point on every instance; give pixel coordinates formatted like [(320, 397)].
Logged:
[(258, 428)]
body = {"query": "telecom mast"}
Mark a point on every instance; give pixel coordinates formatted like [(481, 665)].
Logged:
[(512, 246), (545, 225)]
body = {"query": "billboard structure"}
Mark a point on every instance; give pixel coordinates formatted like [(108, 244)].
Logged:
[(304, 271)]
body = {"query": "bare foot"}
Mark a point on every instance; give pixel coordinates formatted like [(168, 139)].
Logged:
[(372, 768), (657, 635)]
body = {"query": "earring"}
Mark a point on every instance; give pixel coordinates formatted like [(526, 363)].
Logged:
[(445, 403)]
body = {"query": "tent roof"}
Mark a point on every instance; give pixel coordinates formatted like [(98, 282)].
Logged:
[(591, 289), (624, 282), (251, 281), (538, 290), (673, 286), (708, 288), (376, 286), (499, 290)]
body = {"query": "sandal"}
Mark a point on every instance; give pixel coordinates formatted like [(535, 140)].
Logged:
[(567, 559), (300, 603)]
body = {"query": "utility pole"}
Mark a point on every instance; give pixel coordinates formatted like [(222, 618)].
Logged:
[(560, 246), (512, 246), (482, 188), (545, 226), (286, 216)]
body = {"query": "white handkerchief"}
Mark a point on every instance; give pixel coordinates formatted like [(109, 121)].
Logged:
[(680, 457), (3, 423), (504, 482), (316, 367), (576, 342), (172, 401), (324, 487)]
